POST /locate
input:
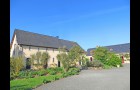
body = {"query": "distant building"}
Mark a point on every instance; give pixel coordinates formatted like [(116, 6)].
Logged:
[(28, 43), (118, 49)]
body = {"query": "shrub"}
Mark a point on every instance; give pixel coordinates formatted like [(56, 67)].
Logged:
[(42, 72), (16, 64), (59, 70), (46, 81), (73, 71), (52, 72), (106, 66), (95, 63), (114, 61), (100, 53), (31, 73), (88, 63)]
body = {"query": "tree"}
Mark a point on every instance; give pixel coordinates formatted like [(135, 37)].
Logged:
[(16, 64), (84, 60), (106, 57), (40, 59), (114, 60), (44, 59), (63, 58), (69, 59), (75, 54), (101, 53)]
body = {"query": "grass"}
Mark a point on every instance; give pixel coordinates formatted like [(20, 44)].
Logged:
[(28, 84)]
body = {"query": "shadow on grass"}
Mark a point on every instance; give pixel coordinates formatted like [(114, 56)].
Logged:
[(20, 87)]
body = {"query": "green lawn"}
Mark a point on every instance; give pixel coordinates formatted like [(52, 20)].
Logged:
[(28, 84)]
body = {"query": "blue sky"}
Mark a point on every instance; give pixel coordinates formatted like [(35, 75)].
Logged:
[(87, 22)]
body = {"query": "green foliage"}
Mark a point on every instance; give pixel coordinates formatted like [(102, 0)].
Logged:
[(101, 53), (107, 66), (63, 58), (53, 71), (106, 57), (70, 59), (71, 71), (41, 59), (44, 59), (113, 61), (84, 61), (88, 63), (46, 81), (95, 63), (16, 64), (32, 73), (75, 54), (30, 83)]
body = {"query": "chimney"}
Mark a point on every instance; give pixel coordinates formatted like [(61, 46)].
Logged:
[(57, 37)]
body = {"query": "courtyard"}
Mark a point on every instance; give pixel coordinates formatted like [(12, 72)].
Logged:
[(106, 79)]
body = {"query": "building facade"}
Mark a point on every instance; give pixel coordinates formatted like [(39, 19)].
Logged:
[(27, 43)]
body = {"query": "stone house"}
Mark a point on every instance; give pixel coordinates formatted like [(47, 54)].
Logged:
[(27, 43)]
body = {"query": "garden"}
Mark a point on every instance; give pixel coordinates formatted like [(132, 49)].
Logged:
[(22, 78), (27, 79)]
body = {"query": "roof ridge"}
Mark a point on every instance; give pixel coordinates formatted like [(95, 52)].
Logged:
[(34, 33), (42, 35), (111, 45)]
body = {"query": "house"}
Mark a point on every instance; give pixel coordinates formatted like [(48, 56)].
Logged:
[(27, 43), (120, 49)]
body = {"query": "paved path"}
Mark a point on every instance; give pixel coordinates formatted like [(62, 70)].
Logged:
[(112, 79)]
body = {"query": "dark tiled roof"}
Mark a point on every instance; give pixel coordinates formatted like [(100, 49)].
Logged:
[(120, 48), (34, 39)]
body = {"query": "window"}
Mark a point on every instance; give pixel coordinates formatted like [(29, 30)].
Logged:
[(53, 59)]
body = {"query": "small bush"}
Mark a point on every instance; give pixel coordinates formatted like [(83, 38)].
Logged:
[(114, 61), (53, 71), (95, 63), (106, 66), (42, 72), (46, 81)]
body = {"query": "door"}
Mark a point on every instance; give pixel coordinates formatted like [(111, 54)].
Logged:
[(28, 63)]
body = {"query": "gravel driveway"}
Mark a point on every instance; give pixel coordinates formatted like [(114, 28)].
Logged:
[(112, 79)]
